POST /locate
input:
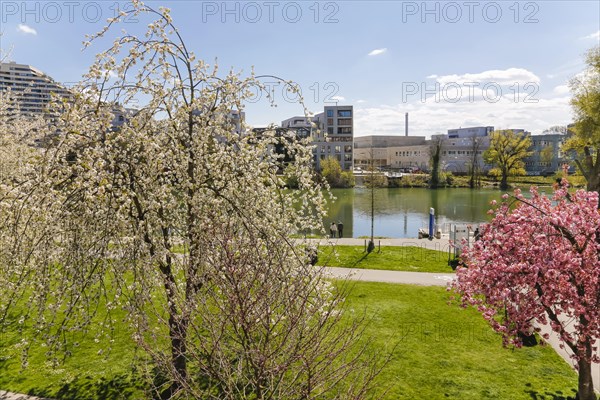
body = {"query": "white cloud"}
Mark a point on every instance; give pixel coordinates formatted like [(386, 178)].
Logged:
[(361, 101), (26, 29), (561, 89), (534, 113), (499, 76), (338, 98), (594, 36), (377, 52)]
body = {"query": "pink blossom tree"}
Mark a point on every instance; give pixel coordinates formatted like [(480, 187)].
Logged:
[(540, 262)]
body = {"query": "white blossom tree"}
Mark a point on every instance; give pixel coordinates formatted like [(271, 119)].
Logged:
[(179, 219)]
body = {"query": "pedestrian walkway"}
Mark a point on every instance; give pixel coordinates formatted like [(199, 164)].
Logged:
[(376, 275), (442, 244)]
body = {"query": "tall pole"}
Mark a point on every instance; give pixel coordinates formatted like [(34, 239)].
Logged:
[(371, 245)]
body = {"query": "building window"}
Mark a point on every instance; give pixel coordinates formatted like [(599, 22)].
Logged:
[(329, 113), (348, 157), (348, 148), (344, 130), (344, 113), (338, 149), (330, 131), (329, 121), (345, 121)]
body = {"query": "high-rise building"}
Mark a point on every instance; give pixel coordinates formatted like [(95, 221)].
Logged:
[(29, 87)]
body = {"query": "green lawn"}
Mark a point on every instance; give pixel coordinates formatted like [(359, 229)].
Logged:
[(443, 352), (102, 369), (394, 258), (446, 352)]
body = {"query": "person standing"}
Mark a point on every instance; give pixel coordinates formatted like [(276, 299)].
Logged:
[(333, 230), (340, 228)]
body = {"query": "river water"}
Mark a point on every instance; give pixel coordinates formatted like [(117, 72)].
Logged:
[(400, 212)]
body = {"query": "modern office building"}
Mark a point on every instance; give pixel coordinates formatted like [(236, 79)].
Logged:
[(459, 153), (547, 157), (460, 148), (30, 88), (391, 152)]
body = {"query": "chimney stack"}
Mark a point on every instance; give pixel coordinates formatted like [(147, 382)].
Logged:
[(406, 124)]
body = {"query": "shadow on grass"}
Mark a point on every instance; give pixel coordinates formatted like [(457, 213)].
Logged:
[(359, 260), (558, 395), (123, 386)]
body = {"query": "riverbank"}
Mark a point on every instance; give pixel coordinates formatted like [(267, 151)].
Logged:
[(442, 244), (448, 180)]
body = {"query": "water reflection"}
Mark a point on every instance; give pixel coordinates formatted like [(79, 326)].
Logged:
[(401, 212)]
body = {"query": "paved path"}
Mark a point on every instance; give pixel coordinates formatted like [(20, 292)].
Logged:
[(434, 244), (375, 275)]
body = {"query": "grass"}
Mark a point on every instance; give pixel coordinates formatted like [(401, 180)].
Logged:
[(443, 352), (446, 352), (392, 258), (574, 180), (96, 370)]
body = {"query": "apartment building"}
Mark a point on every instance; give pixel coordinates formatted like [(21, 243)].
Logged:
[(332, 133), (29, 87)]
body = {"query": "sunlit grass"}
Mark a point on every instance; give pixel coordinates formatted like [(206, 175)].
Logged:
[(442, 351), (446, 352), (394, 258)]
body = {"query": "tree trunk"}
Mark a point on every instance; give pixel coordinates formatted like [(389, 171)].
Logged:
[(177, 333), (504, 182), (593, 182), (178, 325), (435, 173), (590, 167), (585, 390)]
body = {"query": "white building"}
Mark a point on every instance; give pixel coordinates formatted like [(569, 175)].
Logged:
[(389, 151), (479, 131)]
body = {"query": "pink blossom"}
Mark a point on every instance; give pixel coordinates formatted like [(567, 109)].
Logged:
[(538, 262)]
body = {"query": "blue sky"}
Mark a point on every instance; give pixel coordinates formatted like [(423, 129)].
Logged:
[(449, 64)]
